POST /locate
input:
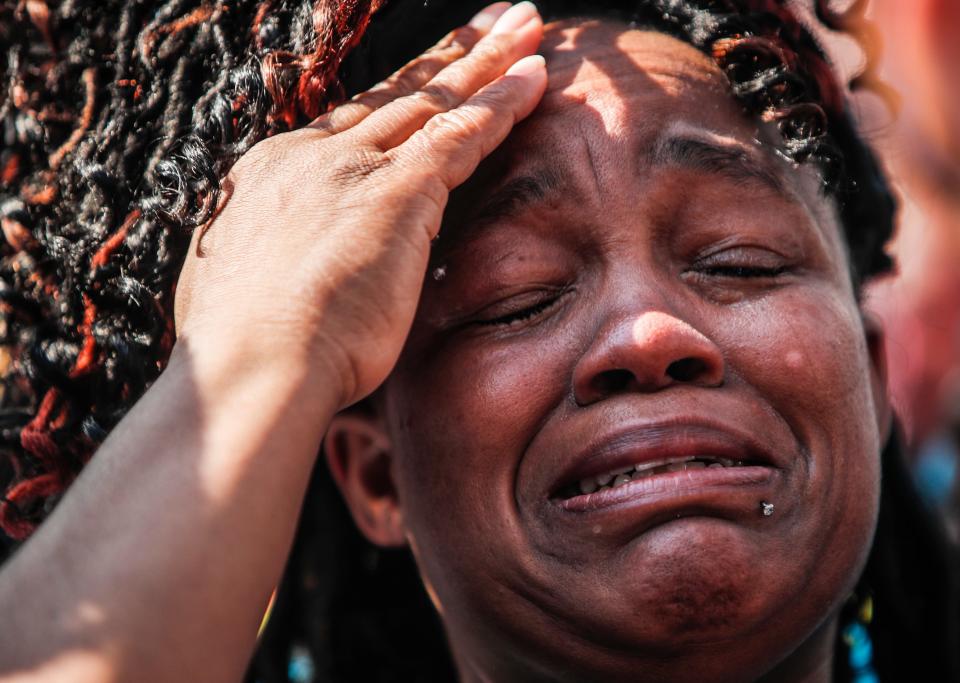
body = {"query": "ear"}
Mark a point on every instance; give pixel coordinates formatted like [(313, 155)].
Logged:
[(877, 352), (358, 452)]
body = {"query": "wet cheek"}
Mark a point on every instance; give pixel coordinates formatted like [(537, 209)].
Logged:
[(807, 356), (462, 426), (808, 348), (794, 360)]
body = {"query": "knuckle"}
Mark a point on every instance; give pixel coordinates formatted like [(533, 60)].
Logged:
[(491, 52), (462, 38), (404, 81), (463, 122), (388, 86), (494, 98), (359, 109), (326, 123), (437, 97), (349, 113), (455, 46), (418, 73), (443, 43), (357, 165)]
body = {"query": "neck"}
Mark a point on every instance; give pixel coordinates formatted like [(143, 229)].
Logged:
[(812, 662)]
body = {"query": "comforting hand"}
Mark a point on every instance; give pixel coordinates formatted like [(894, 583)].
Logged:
[(322, 246)]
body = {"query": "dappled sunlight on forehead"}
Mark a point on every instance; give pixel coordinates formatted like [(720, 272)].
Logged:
[(590, 48), (604, 66), (623, 108)]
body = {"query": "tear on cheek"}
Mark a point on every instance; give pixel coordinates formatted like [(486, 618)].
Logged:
[(794, 360)]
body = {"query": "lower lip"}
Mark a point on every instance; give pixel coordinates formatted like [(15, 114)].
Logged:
[(684, 487)]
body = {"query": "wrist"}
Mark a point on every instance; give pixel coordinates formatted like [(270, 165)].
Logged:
[(228, 362)]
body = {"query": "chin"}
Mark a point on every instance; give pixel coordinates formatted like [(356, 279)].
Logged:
[(694, 599), (692, 581)]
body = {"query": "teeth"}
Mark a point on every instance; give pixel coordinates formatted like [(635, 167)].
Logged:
[(620, 477)]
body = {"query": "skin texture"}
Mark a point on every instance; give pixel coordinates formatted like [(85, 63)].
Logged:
[(641, 299), (205, 476)]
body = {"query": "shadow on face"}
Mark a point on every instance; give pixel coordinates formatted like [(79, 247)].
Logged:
[(637, 334)]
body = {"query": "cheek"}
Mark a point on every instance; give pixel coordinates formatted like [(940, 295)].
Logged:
[(805, 355), (460, 423)]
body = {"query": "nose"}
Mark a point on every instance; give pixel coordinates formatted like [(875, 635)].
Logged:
[(645, 353)]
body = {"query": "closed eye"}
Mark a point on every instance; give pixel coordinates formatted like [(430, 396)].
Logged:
[(743, 271), (742, 263), (522, 313)]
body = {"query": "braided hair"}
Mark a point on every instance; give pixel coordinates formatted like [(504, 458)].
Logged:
[(119, 120)]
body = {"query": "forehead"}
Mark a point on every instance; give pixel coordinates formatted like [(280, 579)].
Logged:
[(622, 102), (629, 82)]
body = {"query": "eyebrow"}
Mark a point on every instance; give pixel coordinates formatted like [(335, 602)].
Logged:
[(518, 194), (722, 156)]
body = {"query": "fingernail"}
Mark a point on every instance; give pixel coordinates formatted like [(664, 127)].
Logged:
[(515, 17), (527, 65), (488, 16)]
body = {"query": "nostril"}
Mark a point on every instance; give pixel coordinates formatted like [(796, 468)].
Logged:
[(612, 382), (686, 369)]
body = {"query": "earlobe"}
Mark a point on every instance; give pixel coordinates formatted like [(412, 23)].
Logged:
[(358, 453), (877, 353)]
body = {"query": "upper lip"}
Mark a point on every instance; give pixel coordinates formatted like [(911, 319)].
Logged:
[(641, 442)]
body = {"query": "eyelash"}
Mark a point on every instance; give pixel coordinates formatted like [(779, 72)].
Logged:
[(745, 272), (720, 271), (521, 315)]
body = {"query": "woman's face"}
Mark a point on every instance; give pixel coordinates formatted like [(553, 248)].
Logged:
[(637, 278)]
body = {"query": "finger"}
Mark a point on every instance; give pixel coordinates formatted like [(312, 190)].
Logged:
[(414, 75), (516, 34), (452, 144)]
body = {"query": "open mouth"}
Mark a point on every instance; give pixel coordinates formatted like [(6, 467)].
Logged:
[(646, 470)]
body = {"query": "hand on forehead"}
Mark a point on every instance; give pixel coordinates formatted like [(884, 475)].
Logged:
[(624, 102)]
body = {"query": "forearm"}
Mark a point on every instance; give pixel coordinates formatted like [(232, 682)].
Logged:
[(158, 563)]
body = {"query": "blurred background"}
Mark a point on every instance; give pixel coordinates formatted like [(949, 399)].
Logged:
[(905, 61)]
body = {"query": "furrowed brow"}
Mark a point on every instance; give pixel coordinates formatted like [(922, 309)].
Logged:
[(517, 195), (729, 158)]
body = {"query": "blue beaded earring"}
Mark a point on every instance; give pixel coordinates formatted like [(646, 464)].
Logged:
[(859, 646)]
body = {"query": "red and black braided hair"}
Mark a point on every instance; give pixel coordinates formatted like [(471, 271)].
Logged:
[(120, 118)]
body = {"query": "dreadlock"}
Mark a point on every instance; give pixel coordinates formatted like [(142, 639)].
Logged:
[(120, 118)]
